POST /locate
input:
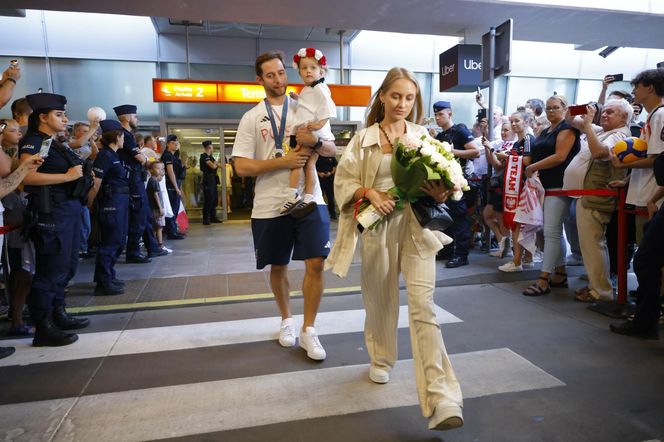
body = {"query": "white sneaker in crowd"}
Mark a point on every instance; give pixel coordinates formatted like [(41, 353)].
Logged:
[(309, 341), (379, 375), (510, 267), (287, 333)]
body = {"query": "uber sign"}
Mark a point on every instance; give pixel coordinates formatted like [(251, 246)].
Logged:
[(461, 68)]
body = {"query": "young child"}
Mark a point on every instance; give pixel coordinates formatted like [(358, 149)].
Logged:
[(156, 200), (314, 109)]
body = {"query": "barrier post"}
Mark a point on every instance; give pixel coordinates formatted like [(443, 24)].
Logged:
[(622, 247)]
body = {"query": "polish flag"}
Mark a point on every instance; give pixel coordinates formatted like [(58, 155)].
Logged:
[(182, 219)]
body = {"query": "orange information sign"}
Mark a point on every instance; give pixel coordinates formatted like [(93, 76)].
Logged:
[(184, 91), (244, 92)]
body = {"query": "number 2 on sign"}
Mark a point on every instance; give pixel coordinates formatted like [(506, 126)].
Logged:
[(199, 91)]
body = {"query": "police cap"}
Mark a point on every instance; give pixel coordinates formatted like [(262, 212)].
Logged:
[(440, 105), (46, 101), (109, 125), (125, 109)]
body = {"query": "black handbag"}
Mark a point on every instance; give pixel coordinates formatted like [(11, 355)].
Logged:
[(432, 215)]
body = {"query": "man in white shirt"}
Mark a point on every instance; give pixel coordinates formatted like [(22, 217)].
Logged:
[(591, 169), (261, 149), (648, 91)]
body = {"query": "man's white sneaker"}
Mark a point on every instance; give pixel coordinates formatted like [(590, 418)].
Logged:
[(309, 341), (379, 375), (510, 267), (287, 333)]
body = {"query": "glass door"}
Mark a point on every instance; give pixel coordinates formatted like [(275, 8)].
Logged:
[(191, 137)]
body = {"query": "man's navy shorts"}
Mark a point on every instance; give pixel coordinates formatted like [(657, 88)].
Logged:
[(276, 239)]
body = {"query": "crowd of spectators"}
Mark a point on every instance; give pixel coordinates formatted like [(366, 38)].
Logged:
[(565, 152), (569, 153), (84, 138)]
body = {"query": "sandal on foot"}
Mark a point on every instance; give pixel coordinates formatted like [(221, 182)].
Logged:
[(536, 290), (585, 295), (560, 284)]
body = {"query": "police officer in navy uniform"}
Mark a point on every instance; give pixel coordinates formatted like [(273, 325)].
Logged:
[(464, 148), (209, 168), (56, 194), (173, 167), (139, 209), (111, 189)]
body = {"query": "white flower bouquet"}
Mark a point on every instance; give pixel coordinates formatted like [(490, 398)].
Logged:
[(419, 159), (414, 161)]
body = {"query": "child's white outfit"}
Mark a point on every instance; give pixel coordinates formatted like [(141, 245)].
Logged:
[(313, 104)]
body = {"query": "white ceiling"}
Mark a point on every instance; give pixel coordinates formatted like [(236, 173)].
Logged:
[(591, 28)]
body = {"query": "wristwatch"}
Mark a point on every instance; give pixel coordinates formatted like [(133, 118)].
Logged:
[(318, 144)]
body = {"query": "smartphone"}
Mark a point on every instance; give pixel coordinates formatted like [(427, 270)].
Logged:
[(481, 113), (617, 77), (45, 147), (580, 109)]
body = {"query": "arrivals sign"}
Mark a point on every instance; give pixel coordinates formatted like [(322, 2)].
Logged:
[(461, 68), (185, 91)]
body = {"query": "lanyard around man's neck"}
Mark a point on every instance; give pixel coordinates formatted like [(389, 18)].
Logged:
[(278, 134)]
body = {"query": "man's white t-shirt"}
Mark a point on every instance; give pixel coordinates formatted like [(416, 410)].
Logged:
[(576, 171), (315, 104), (642, 184), (255, 140)]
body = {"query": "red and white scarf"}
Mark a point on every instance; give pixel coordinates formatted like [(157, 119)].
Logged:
[(512, 189)]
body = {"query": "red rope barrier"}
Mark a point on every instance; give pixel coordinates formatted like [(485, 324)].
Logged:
[(6, 229), (582, 192)]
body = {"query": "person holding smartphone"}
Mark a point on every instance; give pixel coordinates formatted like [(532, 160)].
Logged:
[(8, 82), (614, 95), (53, 200)]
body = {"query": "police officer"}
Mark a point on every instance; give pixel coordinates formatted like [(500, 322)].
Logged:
[(56, 191), (209, 168), (173, 166), (111, 188), (139, 209), (464, 148)]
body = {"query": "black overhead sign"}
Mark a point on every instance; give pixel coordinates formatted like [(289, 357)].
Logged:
[(461, 68)]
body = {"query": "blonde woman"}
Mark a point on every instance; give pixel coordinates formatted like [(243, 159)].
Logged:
[(397, 245), (552, 151)]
